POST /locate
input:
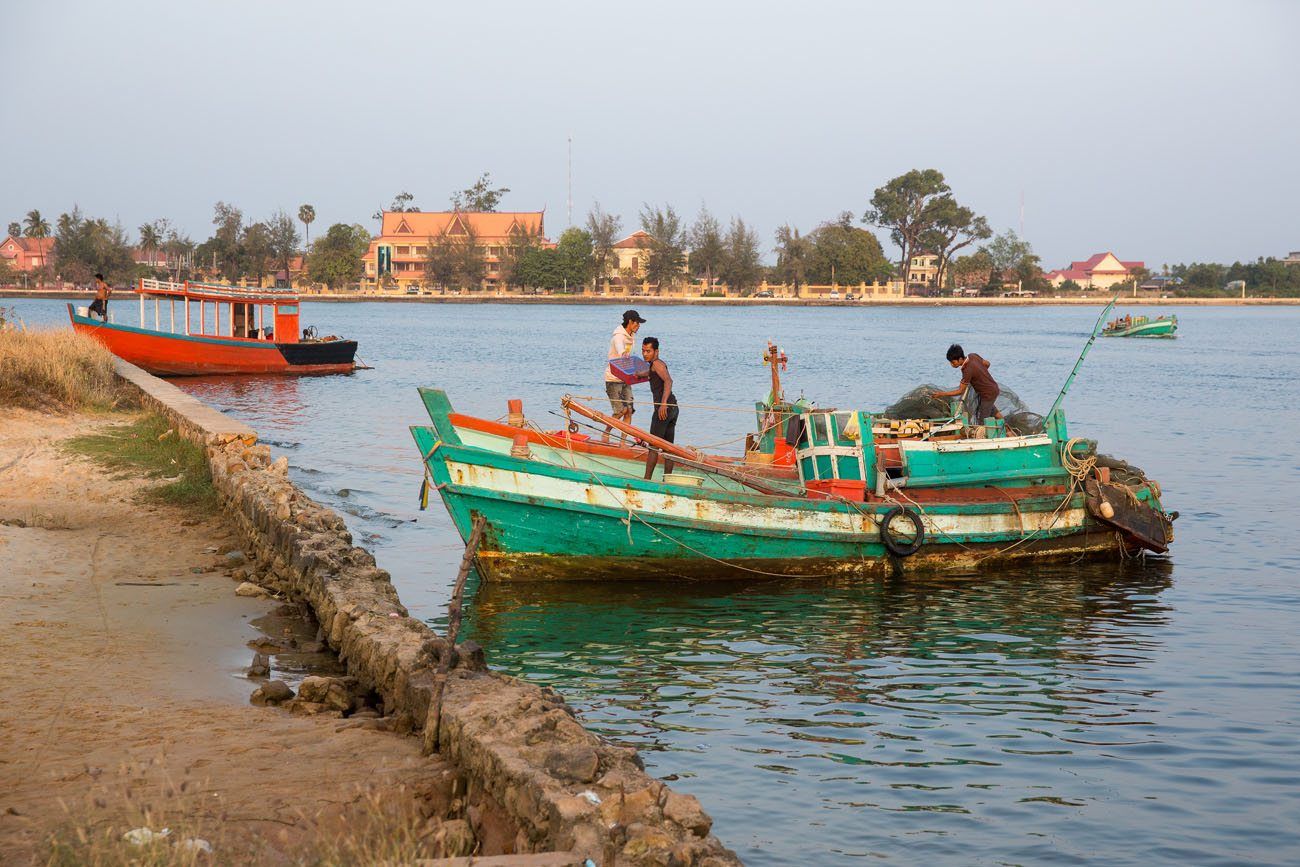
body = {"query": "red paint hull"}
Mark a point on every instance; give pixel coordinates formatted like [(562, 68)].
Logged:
[(184, 355)]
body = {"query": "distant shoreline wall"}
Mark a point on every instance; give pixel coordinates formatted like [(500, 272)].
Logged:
[(520, 745), (651, 300)]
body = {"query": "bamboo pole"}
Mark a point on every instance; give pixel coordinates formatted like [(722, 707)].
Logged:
[(433, 722), (1092, 338), (685, 455)]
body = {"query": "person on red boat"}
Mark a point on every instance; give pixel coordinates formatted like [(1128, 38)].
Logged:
[(663, 418), (974, 374), (102, 291)]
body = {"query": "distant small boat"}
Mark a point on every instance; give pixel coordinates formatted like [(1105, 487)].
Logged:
[(203, 328), (1141, 326)]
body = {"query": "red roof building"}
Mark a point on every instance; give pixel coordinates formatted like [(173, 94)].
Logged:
[(26, 254), (1098, 271)]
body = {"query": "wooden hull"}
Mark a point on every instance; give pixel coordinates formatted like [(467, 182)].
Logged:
[(549, 521), (168, 354)]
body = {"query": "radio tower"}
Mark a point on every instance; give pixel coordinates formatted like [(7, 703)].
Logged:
[(570, 184)]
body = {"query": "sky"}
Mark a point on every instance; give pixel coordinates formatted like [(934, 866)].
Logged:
[(1162, 131)]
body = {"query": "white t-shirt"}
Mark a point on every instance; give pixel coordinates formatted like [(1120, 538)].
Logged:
[(620, 344)]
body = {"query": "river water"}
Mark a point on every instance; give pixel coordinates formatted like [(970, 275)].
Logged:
[(1123, 713)]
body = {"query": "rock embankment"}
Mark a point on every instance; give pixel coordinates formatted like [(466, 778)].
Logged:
[(520, 747)]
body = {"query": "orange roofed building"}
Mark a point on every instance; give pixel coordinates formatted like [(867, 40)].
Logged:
[(408, 234), (25, 255), (1099, 271)]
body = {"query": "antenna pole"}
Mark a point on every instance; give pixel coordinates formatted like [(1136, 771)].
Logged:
[(570, 183)]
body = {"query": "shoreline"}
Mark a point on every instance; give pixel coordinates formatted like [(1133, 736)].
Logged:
[(131, 701), (684, 301)]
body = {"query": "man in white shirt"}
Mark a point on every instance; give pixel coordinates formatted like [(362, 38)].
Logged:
[(620, 345)]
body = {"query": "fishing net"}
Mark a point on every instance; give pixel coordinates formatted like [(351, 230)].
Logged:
[(920, 403)]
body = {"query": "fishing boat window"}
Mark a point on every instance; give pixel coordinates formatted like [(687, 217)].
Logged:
[(819, 434)]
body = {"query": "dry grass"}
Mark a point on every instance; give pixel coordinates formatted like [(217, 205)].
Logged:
[(47, 368), (374, 828)]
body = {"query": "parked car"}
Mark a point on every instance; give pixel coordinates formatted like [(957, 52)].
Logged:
[(763, 293), (834, 296)]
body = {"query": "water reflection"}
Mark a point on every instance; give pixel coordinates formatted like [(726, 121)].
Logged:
[(265, 401), (1034, 644)]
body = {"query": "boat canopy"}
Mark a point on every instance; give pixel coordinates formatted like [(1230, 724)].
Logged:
[(216, 310)]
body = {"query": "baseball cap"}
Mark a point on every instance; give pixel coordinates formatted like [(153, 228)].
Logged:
[(632, 316)]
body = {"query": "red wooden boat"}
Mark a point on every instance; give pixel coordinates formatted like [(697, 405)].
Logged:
[(199, 328)]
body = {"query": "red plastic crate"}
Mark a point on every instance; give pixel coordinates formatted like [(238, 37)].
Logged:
[(849, 489), (631, 370)]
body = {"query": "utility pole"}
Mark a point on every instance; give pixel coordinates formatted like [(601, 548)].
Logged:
[(570, 184), (1022, 214)]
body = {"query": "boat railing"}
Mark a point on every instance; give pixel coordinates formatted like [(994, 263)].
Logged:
[(242, 292), (252, 294)]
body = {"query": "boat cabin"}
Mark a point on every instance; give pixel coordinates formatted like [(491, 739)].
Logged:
[(855, 454), (212, 310)]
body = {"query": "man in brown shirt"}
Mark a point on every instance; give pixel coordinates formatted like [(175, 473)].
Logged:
[(974, 374)]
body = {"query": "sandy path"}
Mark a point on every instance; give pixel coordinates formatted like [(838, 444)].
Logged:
[(124, 647)]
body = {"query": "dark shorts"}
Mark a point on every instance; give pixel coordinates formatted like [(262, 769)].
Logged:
[(620, 397), (987, 409), (99, 307), (665, 429)]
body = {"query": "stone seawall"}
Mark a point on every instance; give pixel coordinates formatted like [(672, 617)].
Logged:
[(519, 746)]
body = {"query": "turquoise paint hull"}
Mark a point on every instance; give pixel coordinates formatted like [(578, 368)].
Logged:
[(1146, 328), (549, 522)]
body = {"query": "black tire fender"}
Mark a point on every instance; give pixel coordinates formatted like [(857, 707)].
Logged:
[(895, 547)]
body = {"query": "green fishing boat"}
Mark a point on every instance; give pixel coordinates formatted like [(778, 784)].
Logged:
[(817, 493), (1141, 326)]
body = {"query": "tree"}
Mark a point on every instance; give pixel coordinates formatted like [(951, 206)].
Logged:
[(402, 202), (15, 230), (1007, 251), (440, 261), (336, 258), (573, 257), (604, 230), (150, 240), (479, 196), (843, 253), (706, 245), (973, 270), (522, 241), (307, 214), (36, 225), (180, 254), (541, 268), (954, 228), (222, 253), (468, 257), (741, 266), (255, 251), (793, 252), (84, 247), (456, 260), (283, 237), (907, 207), (667, 245)]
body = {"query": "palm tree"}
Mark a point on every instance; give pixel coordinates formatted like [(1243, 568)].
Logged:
[(307, 214), (150, 240), (37, 226)]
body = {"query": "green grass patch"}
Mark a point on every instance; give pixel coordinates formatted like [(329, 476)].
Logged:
[(144, 447)]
